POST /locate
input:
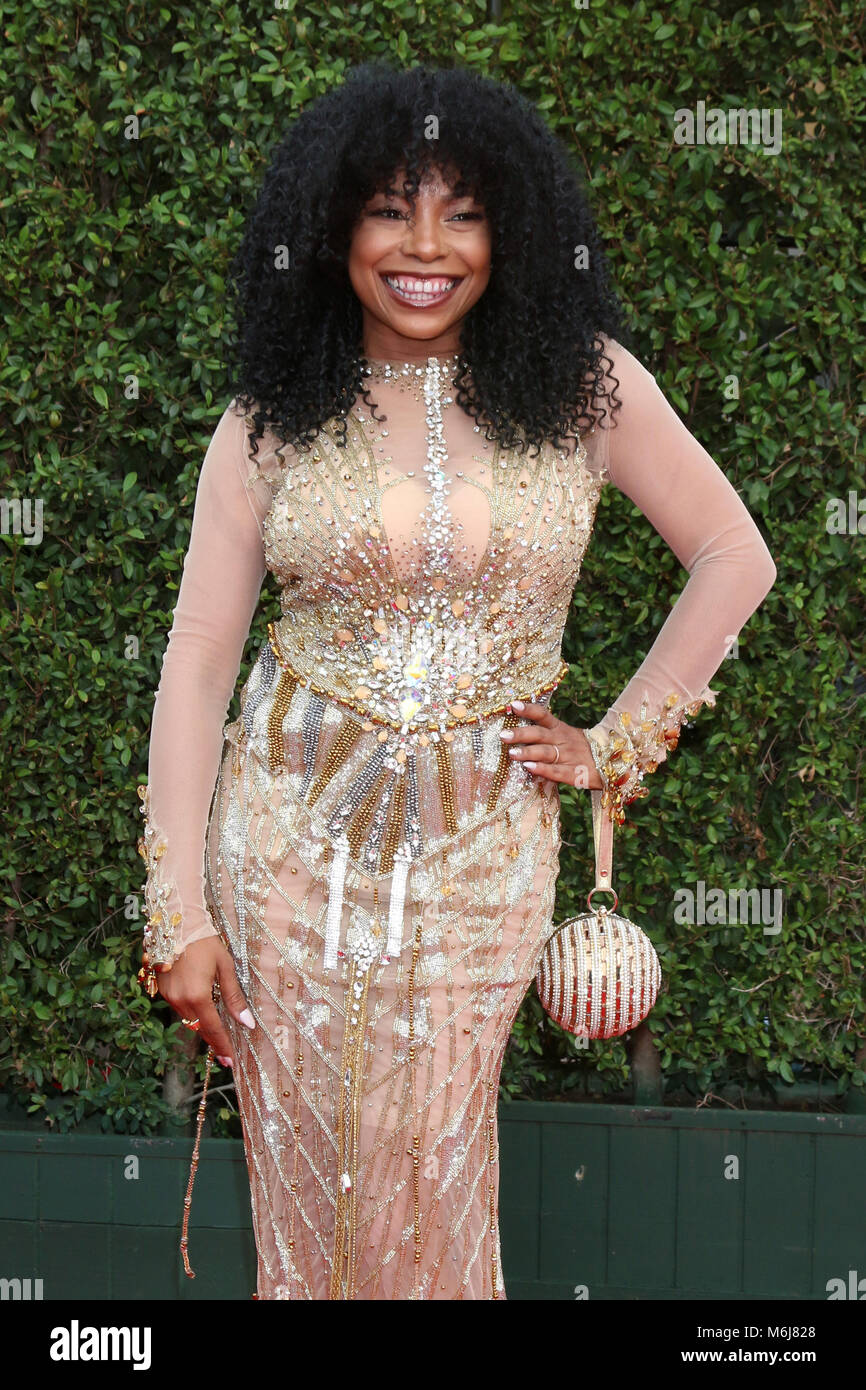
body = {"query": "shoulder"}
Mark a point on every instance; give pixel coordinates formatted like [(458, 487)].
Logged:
[(618, 388), (241, 421), (243, 415), (267, 458), (637, 401), (622, 368), (640, 414)]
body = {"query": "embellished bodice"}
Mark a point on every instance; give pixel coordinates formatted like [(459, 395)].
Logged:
[(426, 581)]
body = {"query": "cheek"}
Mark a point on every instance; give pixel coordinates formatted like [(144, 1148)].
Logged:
[(478, 255), (357, 278), (479, 260), (364, 252), (365, 249), (358, 250)]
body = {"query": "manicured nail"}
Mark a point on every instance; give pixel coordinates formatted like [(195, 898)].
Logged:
[(531, 766), (517, 704), (225, 1061), (506, 733), (247, 1019), (515, 752)]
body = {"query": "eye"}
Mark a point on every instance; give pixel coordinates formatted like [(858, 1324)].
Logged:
[(385, 212), (473, 216)]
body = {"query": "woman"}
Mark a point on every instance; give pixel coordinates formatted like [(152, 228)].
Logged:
[(431, 394)]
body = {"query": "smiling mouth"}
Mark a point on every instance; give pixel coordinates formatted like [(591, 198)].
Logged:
[(421, 291)]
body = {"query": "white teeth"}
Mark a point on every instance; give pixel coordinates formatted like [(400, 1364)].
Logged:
[(419, 291)]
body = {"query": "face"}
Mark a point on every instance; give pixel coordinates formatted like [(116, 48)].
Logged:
[(418, 272)]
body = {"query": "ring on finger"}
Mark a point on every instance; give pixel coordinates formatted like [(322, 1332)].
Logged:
[(191, 1023), (556, 751)]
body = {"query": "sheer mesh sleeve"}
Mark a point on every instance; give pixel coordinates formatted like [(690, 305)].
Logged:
[(652, 458), (222, 578)]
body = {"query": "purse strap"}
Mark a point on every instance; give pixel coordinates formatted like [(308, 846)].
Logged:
[(602, 832)]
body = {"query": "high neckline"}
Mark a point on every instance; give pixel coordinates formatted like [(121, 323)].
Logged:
[(407, 366)]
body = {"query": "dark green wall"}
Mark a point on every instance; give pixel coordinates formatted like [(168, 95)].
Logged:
[(629, 1203)]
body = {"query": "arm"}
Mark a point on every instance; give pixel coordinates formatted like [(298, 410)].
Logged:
[(222, 579), (652, 458)]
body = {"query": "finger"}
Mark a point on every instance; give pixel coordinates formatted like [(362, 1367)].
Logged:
[(196, 1004), (541, 752), (524, 733), (553, 771), (231, 993), (521, 734), (540, 713), (171, 992), (211, 1026)]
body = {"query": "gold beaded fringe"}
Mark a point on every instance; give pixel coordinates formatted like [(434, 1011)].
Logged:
[(394, 828), (510, 721), (358, 828), (445, 774), (288, 684), (348, 1124), (347, 737)]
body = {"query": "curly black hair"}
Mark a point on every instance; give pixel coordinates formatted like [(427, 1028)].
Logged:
[(532, 361)]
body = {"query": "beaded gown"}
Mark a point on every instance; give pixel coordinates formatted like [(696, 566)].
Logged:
[(381, 868)]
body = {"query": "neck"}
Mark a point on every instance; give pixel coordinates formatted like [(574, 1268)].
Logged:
[(414, 363), (383, 345)]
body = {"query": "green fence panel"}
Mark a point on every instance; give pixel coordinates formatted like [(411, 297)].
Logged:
[(596, 1201)]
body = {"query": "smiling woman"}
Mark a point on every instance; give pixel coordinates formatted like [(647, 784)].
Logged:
[(364, 860), (359, 192), (430, 253)]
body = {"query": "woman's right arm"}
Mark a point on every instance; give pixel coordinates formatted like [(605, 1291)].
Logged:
[(220, 587)]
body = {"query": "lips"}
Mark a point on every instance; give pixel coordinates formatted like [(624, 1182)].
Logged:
[(421, 291)]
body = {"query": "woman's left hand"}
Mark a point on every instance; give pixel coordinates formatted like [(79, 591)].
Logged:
[(551, 748)]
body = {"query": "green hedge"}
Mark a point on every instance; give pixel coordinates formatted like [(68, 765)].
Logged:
[(731, 261)]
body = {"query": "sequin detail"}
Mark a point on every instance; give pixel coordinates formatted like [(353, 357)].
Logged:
[(630, 755), (161, 927)]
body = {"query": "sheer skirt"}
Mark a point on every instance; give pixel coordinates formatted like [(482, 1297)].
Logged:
[(368, 1092)]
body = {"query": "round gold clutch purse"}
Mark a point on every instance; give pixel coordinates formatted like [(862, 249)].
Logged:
[(599, 974)]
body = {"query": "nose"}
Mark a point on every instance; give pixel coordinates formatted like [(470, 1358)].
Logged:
[(423, 237)]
